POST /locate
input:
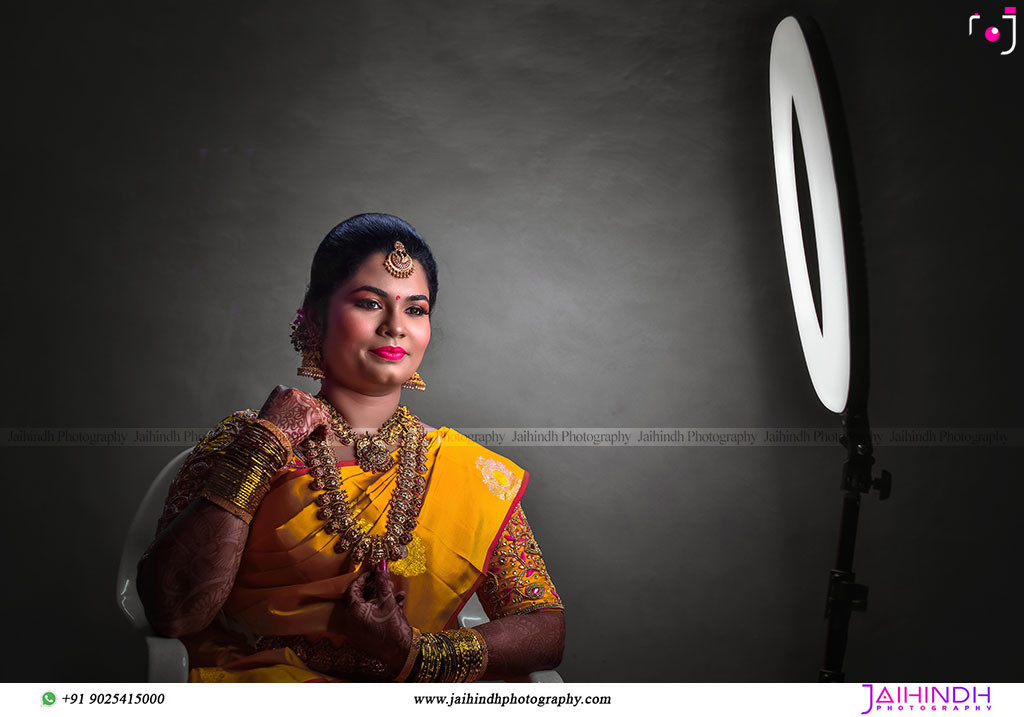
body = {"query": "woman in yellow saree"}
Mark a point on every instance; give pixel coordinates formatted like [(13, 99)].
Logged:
[(337, 537)]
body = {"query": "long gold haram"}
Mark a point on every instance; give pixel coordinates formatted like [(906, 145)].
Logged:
[(406, 499)]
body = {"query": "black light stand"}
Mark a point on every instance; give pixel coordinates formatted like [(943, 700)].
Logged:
[(844, 594)]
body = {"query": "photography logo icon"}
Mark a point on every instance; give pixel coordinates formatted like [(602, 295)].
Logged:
[(993, 33)]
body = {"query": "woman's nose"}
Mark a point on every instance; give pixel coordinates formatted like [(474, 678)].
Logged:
[(393, 325)]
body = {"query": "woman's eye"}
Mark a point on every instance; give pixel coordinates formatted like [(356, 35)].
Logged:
[(374, 304)]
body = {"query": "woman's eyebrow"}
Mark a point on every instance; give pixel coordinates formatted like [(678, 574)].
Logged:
[(384, 294), (374, 289)]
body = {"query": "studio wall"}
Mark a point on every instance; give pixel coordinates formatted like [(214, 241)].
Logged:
[(596, 181)]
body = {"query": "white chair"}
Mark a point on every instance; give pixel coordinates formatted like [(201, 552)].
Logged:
[(168, 659)]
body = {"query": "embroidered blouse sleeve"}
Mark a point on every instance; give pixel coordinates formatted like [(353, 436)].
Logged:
[(517, 581), (191, 478)]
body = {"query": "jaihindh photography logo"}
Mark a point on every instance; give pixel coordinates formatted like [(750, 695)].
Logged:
[(998, 35), (927, 698)]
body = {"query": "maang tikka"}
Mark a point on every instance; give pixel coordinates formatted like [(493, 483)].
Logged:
[(399, 265), (306, 342), (398, 262)]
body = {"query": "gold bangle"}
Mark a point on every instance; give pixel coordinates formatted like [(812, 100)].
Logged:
[(452, 656), (257, 444), (243, 471), (429, 662), (279, 434), (236, 492), (480, 656), (263, 438)]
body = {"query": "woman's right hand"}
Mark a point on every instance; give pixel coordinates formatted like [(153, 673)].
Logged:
[(295, 412), (371, 617)]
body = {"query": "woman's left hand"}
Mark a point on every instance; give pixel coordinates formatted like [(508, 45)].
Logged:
[(370, 616)]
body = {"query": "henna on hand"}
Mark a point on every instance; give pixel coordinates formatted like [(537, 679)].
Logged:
[(520, 644), (295, 412), (370, 616), (188, 574)]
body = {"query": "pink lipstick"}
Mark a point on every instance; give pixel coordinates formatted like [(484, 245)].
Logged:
[(390, 353)]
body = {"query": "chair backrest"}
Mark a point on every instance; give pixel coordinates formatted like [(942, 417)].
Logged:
[(140, 535), (472, 613)]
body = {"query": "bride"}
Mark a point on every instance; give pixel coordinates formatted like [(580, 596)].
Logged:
[(336, 536)]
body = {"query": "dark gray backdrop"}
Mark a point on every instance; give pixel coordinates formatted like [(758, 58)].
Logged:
[(595, 179)]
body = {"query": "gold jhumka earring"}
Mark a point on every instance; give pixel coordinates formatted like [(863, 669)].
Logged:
[(308, 344), (415, 383)]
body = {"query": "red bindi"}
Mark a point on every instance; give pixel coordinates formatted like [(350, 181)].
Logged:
[(398, 297)]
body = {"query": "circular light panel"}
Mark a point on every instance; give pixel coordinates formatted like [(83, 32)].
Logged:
[(826, 347)]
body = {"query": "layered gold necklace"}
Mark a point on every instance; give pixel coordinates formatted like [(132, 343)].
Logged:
[(373, 456)]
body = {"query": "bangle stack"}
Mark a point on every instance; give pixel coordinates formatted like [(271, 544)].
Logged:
[(242, 475), (279, 434), (451, 656)]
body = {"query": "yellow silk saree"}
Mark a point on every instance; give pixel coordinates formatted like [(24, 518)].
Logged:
[(274, 627)]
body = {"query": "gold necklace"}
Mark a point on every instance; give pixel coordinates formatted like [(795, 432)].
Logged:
[(371, 449), (406, 499)]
